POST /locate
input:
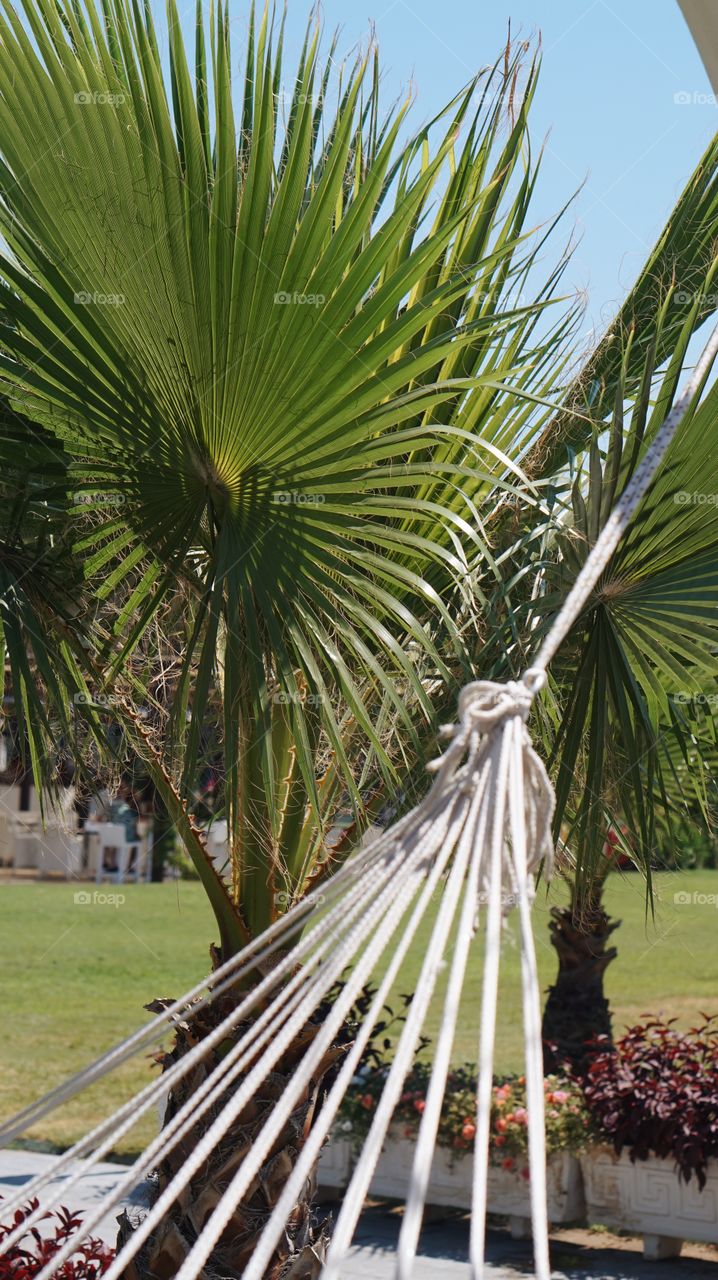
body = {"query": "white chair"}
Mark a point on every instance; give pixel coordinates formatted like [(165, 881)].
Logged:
[(7, 852), (60, 850), (218, 845), (9, 799), (113, 835), (25, 830), (89, 853), (25, 850)]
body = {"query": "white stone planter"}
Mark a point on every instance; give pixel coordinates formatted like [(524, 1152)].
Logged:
[(509, 1194), (451, 1181), (335, 1165), (649, 1199)]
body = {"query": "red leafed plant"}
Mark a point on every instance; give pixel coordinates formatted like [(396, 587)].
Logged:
[(656, 1093), (34, 1250)]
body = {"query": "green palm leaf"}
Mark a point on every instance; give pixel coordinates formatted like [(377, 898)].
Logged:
[(277, 345), (643, 655)]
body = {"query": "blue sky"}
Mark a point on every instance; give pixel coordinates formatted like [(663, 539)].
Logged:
[(606, 103)]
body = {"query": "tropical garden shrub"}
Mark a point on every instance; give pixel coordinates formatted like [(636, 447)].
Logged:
[(31, 1254), (182, 864), (656, 1093), (688, 848)]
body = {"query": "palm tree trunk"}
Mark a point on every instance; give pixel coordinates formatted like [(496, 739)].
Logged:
[(576, 1009), (301, 1251)]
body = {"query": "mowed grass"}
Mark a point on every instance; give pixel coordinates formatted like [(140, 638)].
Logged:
[(76, 978)]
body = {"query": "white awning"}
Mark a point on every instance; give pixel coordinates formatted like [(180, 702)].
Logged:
[(702, 18)]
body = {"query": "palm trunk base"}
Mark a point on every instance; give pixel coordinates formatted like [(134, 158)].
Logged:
[(576, 1009), (304, 1243)]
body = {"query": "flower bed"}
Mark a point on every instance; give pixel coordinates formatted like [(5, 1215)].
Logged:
[(451, 1174), (567, 1120), (641, 1134), (451, 1181)]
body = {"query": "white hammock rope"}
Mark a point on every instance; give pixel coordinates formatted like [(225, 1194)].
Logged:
[(282, 1038), (480, 834), (249, 960), (124, 1119), (344, 913), (111, 1130)]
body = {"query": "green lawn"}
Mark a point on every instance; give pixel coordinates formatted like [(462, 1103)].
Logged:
[(76, 977)]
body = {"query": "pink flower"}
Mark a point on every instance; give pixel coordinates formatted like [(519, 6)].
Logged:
[(419, 1105), (560, 1095), (521, 1115), (468, 1131)]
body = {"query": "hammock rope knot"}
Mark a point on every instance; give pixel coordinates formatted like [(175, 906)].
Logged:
[(491, 734), (484, 704)]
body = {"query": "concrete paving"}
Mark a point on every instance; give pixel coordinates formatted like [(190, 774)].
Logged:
[(444, 1244), (17, 1168), (443, 1249)]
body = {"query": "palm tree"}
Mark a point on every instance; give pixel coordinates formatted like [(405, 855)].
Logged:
[(279, 419), (631, 688), (254, 353)]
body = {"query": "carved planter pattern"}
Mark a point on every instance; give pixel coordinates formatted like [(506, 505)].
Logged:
[(648, 1198)]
